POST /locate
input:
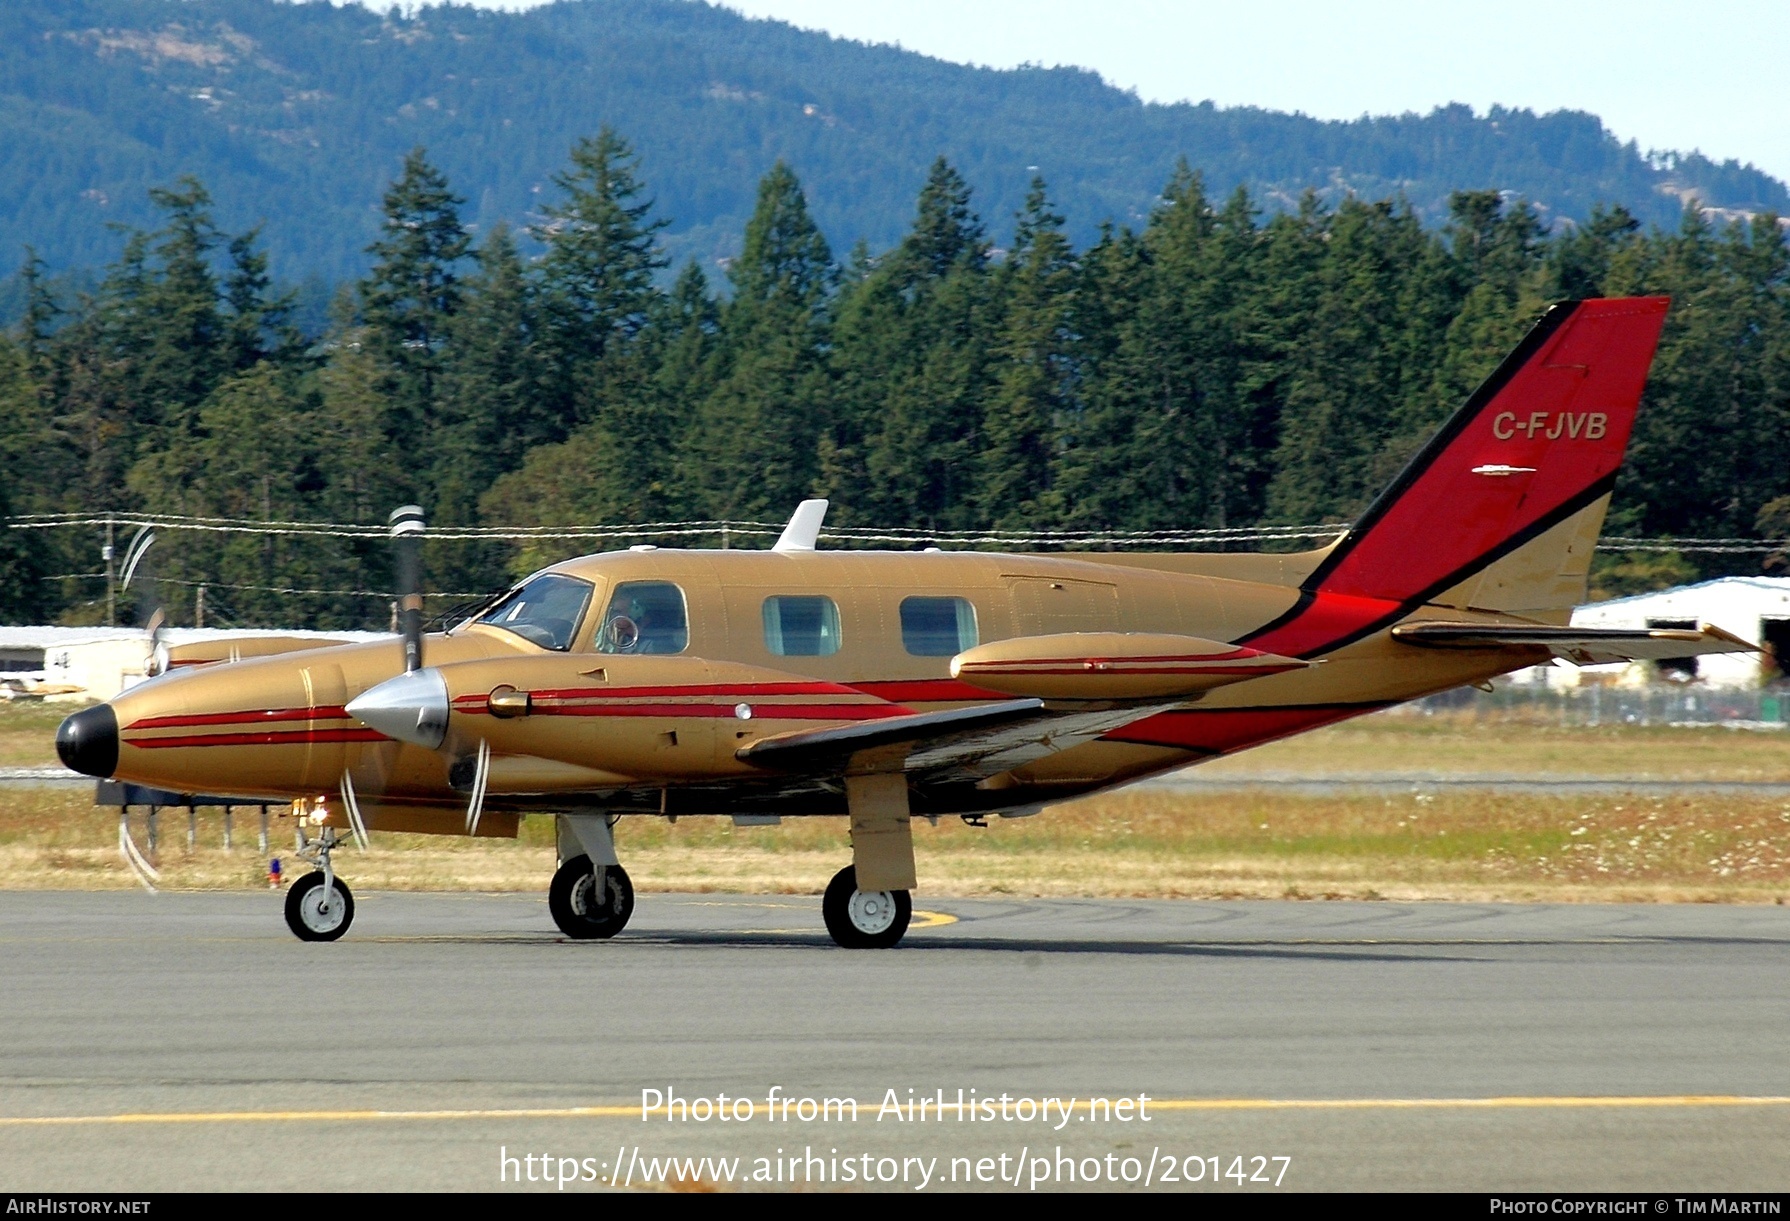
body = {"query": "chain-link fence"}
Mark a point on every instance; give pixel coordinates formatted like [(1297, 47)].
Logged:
[(1604, 704)]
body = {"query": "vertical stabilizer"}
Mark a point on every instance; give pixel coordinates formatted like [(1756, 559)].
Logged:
[(1500, 510)]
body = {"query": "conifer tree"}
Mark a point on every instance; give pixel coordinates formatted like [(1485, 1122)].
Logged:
[(409, 298), (755, 451), (23, 594), (491, 412), (258, 324), (170, 326), (413, 289), (915, 366), (1712, 439), (1578, 262), (1034, 385), (1358, 342), (597, 276)]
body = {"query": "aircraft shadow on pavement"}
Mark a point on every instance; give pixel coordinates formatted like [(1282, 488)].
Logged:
[(1052, 946)]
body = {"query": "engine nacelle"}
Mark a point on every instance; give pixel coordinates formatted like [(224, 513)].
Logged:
[(1112, 666)]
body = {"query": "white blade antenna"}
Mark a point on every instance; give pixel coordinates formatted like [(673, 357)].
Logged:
[(803, 530)]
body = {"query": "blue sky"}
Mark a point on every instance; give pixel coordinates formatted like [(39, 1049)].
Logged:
[(1661, 72)]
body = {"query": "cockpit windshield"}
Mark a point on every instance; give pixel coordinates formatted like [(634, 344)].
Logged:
[(544, 611)]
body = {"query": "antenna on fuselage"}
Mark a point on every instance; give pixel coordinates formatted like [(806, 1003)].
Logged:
[(803, 530), (407, 541)]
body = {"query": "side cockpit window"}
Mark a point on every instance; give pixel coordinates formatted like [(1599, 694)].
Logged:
[(544, 611), (937, 627), (644, 617)]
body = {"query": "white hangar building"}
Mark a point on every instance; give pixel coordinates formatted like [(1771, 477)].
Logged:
[(96, 663), (1756, 609)]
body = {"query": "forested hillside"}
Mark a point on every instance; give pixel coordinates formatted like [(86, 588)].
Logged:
[(295, 114), (1219, 365)]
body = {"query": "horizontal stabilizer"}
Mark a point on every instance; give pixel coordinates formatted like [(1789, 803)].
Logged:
[(1583, 646), (1113, 666)]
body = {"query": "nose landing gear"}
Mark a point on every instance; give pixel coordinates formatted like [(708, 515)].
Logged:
[(588, 902), (591, 896), (319, 907)]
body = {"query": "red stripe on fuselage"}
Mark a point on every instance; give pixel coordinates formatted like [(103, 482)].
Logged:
[(692, 690), (763, 712), (1222, 730), (1327, 617), (1122, 670), (262, 716), (270, 738)]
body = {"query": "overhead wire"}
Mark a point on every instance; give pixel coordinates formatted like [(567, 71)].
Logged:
[(744, 529)]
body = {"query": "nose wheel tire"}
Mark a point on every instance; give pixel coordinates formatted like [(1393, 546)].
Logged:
[(864, 919), (316, 914), (577, 908)]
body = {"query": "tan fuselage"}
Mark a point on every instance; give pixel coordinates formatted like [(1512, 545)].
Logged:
[(590, 729)]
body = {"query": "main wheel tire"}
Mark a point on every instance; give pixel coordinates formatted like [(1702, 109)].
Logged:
[(310, 916), (572, 900), (864, 919)]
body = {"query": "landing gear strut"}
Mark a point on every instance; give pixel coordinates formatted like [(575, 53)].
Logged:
[(588, 902), (864, 919), (591, 896), (319, 907)]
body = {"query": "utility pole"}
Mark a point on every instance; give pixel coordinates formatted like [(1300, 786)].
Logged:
[(111, 577), (199, 607)]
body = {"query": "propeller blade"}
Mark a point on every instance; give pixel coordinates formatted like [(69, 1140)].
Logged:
[(481, 775), (351, 803), (407, 538), (146, 873), (140, 542)]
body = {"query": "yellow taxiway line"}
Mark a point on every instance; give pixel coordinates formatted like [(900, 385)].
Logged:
[(1519, 1102)]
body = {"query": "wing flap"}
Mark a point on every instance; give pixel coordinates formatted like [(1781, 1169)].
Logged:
[(1583, 646), (962, 744), (832, 748)]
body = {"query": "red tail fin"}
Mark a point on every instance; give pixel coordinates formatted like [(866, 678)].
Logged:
[(1540, 441)]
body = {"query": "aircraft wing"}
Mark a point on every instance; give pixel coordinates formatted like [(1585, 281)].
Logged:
[(963, 743), (1583, 646)]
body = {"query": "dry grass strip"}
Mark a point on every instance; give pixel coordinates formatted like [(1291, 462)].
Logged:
[(1154, 843)]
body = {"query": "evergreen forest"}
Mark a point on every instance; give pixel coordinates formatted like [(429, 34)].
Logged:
[(1218, 365)]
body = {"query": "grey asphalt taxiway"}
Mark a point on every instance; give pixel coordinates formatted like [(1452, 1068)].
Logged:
[(188, 1041)]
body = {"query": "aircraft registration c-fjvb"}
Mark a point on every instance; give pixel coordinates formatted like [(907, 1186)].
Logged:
[(884, 686)]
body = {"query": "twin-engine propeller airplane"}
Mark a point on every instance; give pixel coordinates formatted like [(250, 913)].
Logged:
[(880, 686)]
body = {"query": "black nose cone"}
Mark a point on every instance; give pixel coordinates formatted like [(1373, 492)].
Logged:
[(88, 741)]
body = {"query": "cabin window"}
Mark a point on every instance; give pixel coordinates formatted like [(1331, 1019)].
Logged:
[(801, 626), (543, 611), (937, 627), (644, 617)]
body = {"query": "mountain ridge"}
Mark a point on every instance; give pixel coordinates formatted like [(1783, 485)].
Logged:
[(296, 115)]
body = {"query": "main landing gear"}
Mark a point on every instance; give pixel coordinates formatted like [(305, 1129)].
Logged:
[(319, 906), (591, 896), (588, 902), (864, 919)]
